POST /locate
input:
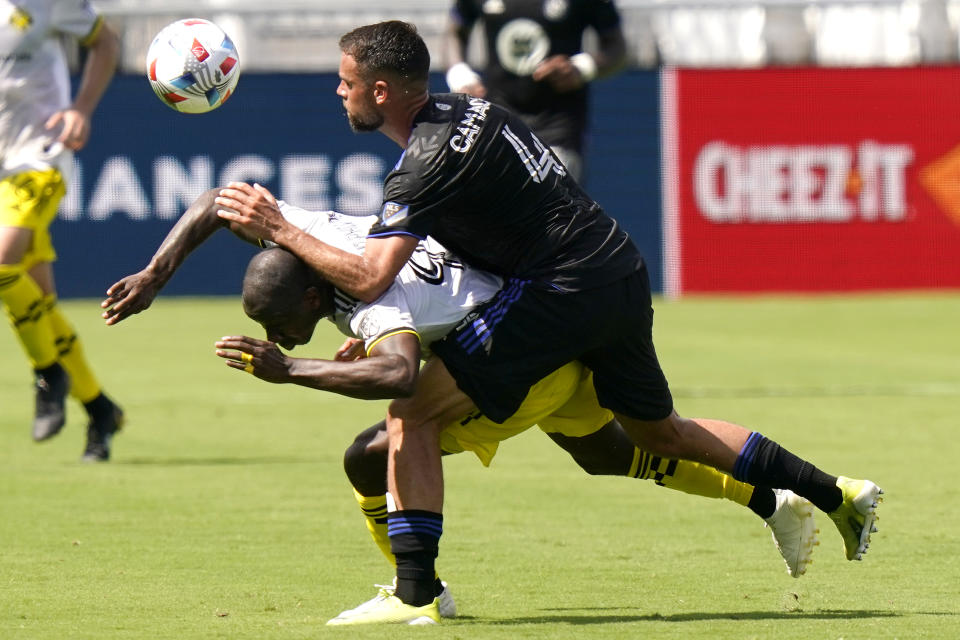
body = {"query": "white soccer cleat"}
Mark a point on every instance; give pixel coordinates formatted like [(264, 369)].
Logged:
[(794, 530), (445, 603), (446, 607)]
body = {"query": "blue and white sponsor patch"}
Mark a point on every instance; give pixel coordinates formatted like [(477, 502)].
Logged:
[(393, 212)]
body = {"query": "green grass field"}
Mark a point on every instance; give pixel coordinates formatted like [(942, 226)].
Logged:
[(225, 512)]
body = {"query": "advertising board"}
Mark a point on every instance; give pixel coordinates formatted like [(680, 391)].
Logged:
[(811, 179)]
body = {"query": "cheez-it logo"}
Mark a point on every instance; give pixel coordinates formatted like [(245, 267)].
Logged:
[(941, 179)]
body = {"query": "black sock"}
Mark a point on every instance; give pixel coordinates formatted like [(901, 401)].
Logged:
[(99, 407), (56, 369), (763, 502), (763, 462), (414, 540)]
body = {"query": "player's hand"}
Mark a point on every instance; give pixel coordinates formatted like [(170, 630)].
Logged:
[(350, 350), (477, 90), (254, 208), (74, 128), (130, 295), (562, 75), (262, 358)]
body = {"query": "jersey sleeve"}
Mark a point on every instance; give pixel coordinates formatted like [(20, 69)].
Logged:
[(602, 15), (76, 18), (398, 217), (389, 315), (413, 195)]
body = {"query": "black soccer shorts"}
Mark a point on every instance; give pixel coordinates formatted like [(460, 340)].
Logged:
[(528, 330)]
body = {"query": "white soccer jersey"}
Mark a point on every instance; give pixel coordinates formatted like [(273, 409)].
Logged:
[(431, 294), (35, 80)]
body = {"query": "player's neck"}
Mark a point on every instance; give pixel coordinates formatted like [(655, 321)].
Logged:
[(398, 125)]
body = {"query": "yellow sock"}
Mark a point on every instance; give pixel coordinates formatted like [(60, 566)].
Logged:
[(23, 302), (690, 477), (374, 510), (83, 384)]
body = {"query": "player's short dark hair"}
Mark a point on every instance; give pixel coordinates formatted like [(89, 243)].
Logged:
[(275, 283), (392, 47)]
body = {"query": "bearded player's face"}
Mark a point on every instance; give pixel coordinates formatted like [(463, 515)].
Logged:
[(357, 96)]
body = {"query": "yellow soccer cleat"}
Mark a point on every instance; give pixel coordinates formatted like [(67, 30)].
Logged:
[(794, 530), (387, 607), (445, 602), (856, 516)]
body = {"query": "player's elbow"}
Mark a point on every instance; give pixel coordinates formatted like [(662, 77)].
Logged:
[(107, 44), (402, 380), (404, 386)]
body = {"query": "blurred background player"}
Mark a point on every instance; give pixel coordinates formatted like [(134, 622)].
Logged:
[(535, 63), (39, 130)]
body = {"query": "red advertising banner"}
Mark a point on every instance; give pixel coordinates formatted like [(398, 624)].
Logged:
[(811, 179)]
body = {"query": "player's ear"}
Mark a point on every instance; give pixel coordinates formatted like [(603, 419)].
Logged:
[(311, 296), (381, 91), (317, 302)]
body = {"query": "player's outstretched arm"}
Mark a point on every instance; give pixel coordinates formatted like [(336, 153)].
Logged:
[(136, 292), (102, 56), (390, 370)]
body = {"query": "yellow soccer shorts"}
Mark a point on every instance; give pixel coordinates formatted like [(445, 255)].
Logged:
[(30, 200), (564, 402)]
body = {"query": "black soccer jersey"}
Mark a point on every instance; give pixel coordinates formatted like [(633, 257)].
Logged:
[(522, 33), (478, 180)]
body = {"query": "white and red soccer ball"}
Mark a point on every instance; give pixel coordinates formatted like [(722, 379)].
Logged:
[(193, 66)]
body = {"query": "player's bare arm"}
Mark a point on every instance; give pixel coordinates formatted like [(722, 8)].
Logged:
[(389, 371), (100, 66), (460, 77), (136, 292), (611, 55), (364, 277)]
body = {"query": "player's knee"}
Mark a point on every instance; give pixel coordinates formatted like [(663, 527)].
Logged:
[(664, 438), (365, 461), (606, 452), (593, 466), (15, 243)]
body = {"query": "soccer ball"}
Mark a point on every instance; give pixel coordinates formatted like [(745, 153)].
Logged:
[(193, 66)]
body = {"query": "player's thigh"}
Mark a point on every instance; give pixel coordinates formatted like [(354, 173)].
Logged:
[(15, 242), (517, 338), (42, 273), (481, 435), (436, 401), (626, 371), (29, 202), (581, 414)]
